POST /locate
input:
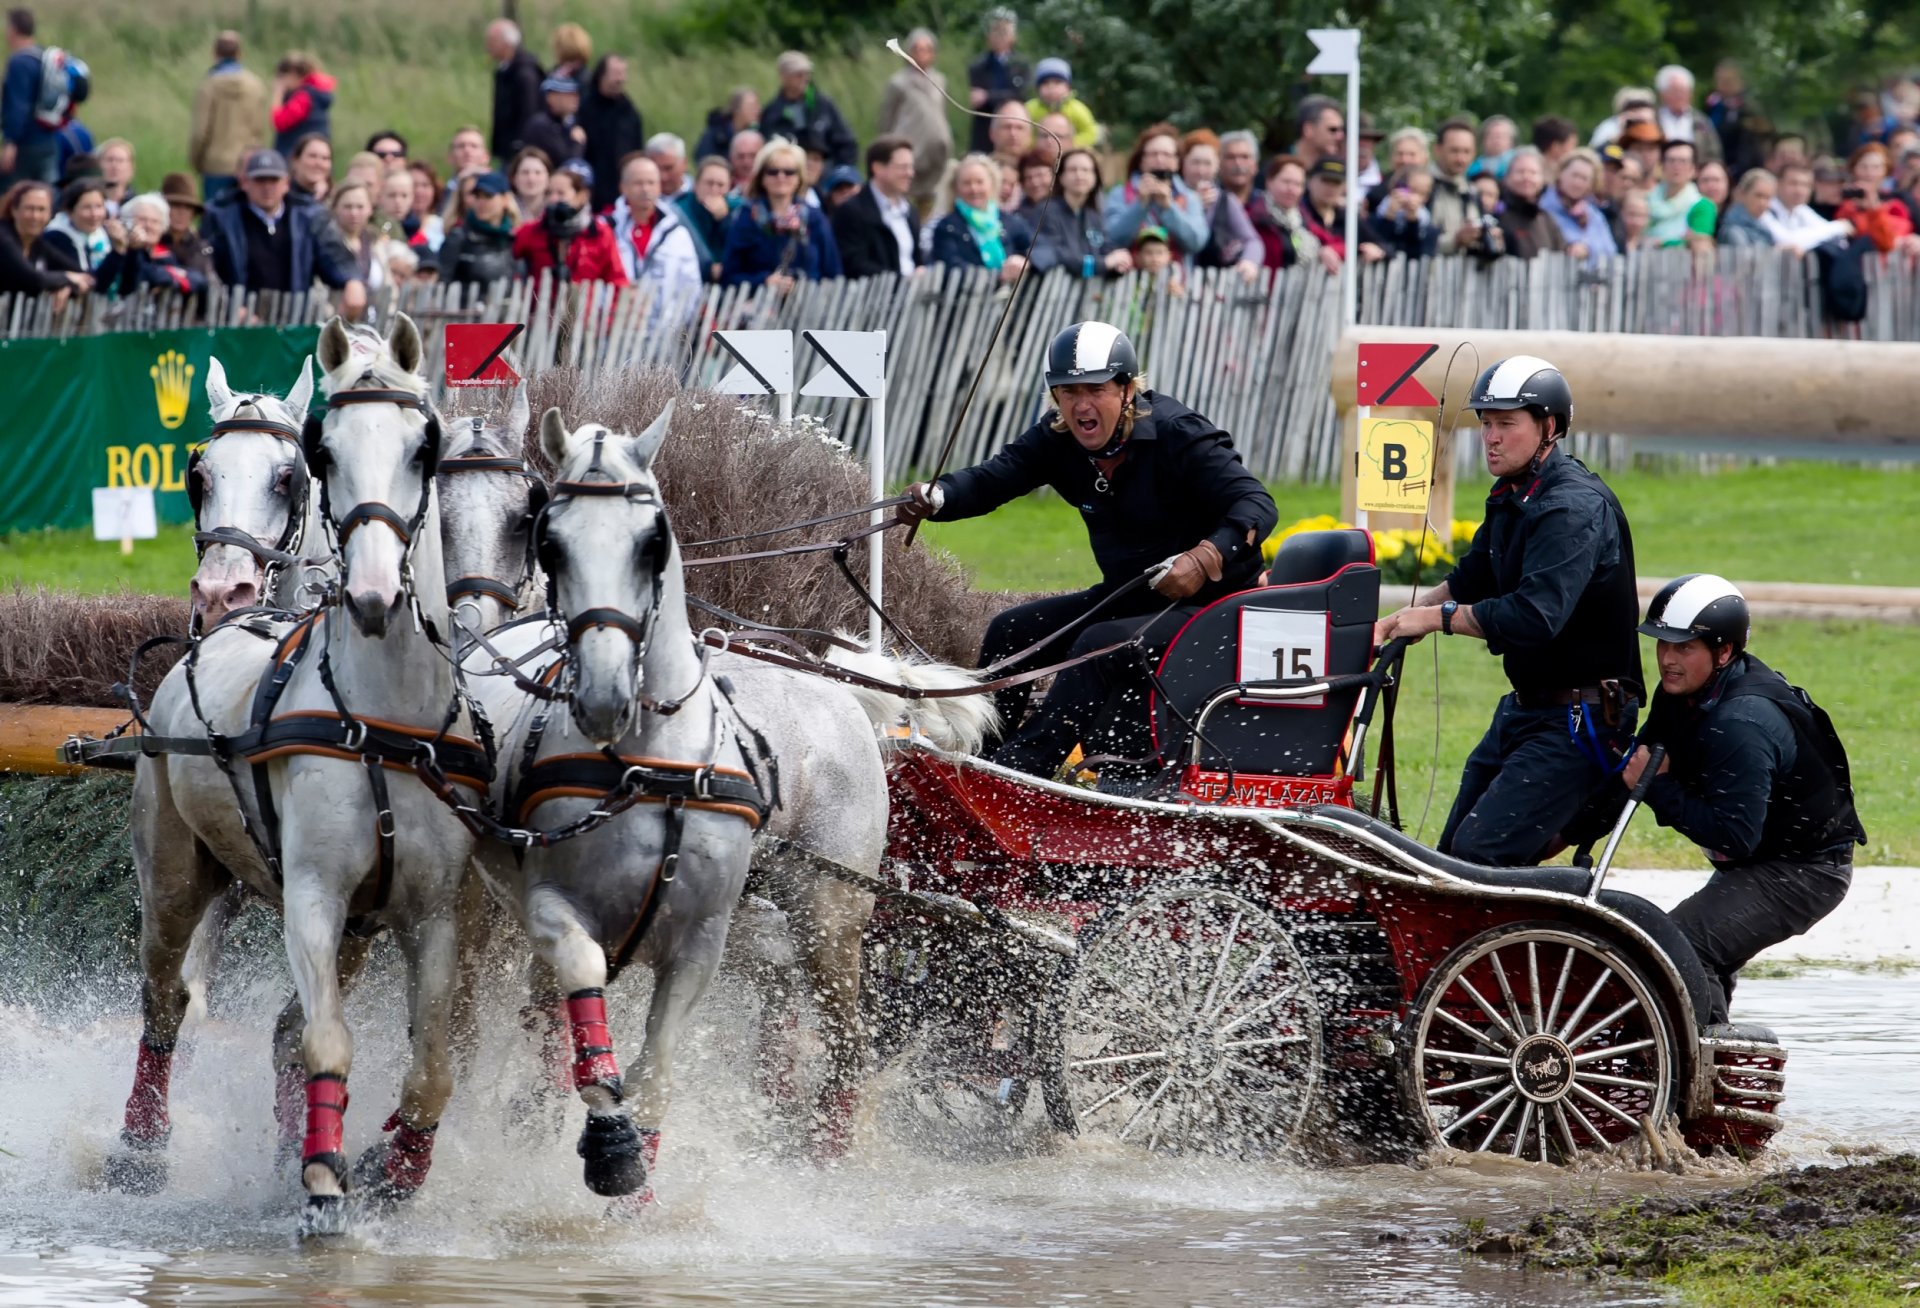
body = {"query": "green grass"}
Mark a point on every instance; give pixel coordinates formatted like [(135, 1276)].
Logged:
[(421, 69), (74, 560)]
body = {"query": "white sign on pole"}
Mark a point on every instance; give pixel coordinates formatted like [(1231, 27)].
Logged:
[(762, 363), (124, 513), (1339, 55), (1283, 645), (857, 370)]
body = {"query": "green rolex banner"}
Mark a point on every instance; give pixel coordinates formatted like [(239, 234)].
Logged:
[(124, 409)]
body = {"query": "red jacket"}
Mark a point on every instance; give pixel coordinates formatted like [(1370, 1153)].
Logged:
[(593, 256), (1887, 222)]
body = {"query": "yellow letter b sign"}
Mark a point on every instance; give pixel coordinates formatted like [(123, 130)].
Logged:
[(1396, 466)]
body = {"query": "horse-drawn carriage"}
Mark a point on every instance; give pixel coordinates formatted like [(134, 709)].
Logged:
[(1245, 951)]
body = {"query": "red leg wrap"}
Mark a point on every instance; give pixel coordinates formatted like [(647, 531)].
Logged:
[(649, 1147), (326, 1118), (836, 1123), (147, 1119), (593, 1060), (409, 1155)]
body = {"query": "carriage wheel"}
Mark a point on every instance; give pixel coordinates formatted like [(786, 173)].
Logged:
[(1189, 1025), (1540, 1042)]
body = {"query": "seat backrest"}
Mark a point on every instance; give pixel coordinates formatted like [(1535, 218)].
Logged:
[(1314, 619)]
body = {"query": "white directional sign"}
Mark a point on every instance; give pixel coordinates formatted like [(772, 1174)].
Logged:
[(762, 363), (856, 365), (124, 513), (1339, 52)]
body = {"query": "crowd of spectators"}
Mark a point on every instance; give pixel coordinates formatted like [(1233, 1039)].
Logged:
[(564, 179)]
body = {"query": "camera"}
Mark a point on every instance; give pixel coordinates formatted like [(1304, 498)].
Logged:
[(1164, 174), (1853, 192)]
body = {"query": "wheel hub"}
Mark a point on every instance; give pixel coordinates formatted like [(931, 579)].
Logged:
[(1196, 1056), (1543, 1068)]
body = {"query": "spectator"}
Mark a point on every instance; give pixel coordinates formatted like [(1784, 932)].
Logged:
[(528, 172), (1409, 148), (656, 249), (371, 253), (836, 188), (516, 86), (1715, 184), (1888, 223), (878, 230), (1636, 221), (1052, 135), (302, 101), (78, 236), (1400, 223), (1071, 233), (1631, 104), (774, 239), (914, 107), (1572, 204), (1231, 241), (478, 249), (32, 149), (669, 155), (264, 240), (1829, 186), (1457, 215), (742, 155), (613, 130), (1741, 129), (182, 237), (1154, 257), (466, 153), (229, 115), (1555, 138), (1622, 176), (390, 148), (393, 209), (1681, 215), (27, 266), (1279, 216), (567, 238), (145, 259), (1325, 211), (1368, 143), (1530, 230), (1036, 184), (706, 210), (556, 129), (572, 52), (802, 112), (1012, 135), (1498, 136), (116, 171), (975, 233), (1642, 142), (424, 214), (1744, 224), (363, 169), (1788, 148), (1487, 187), (312, 169), (810, 178), (1676, 117), (742, 111), (1053, 94), (74, 139), (1240, 165), (1790, 219), (1154, 196), (997, 77), (1322, 132)]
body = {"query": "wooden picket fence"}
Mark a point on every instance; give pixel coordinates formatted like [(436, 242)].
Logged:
[(1253, 355)]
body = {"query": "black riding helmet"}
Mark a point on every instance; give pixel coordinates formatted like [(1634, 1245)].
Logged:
[(1699, 606), (1088, 353), (1526, 382)]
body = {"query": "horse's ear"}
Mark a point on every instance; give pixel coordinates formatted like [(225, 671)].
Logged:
[(554, 436), (519, 415), (300, 398), (405, 345), (219, 394), (648, 443), (335, 347)]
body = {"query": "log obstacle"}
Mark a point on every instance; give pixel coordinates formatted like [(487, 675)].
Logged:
[(31, 734)]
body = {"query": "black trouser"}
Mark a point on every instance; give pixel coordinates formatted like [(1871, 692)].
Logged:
[(1522, 786), (1742, 910), (1100, 704)]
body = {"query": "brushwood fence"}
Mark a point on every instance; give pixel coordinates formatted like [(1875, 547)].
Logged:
[(1254, 355)]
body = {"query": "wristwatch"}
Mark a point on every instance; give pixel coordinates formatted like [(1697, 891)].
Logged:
[(1447, 611)]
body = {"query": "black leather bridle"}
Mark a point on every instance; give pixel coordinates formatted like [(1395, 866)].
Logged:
[(478, 586), (319, 460)]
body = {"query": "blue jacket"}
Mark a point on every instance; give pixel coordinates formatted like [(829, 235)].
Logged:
[(315, 253), (753, 252), (17, 96), (1595, 234), (1185, 220), (953, 241)]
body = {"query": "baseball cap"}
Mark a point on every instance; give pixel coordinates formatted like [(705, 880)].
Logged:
[(841, 175), (579, 168), (560, 83), (263, 163), (1613, 154), (1151, 233), (1052, 67), (1331, 169), (494, 183)]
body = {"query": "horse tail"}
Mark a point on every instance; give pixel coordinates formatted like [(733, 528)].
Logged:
[(959, 724)]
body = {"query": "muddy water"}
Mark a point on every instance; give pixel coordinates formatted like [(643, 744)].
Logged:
[(505, 1220)]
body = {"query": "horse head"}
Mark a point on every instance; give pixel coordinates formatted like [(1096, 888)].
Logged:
[(375, 455), (489, 501), (612, 566), (248, 482)]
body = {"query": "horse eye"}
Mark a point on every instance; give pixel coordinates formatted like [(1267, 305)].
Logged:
[(284, 482)]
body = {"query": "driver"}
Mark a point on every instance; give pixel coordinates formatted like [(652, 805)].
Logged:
[(1161, 491), (1548, 583), (1754, 774)]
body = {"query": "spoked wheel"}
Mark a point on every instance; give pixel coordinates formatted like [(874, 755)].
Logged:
[(1539, 1042), (947, 1097), (1189, 1025)]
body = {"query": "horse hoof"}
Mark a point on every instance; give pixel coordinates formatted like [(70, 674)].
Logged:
[(373, 1186), (631, 1207), (137, 1167), (612, 1150), (324, 1217)]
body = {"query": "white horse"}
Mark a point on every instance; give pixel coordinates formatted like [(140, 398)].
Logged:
[(363, 695)]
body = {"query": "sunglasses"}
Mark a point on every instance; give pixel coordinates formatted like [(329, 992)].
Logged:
[(779, 172), (391, 154)]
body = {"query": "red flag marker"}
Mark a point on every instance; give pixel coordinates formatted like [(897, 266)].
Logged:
[(1386, 376), (476, 350)]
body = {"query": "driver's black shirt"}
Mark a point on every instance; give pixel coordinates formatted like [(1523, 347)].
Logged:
[(1180, 483)]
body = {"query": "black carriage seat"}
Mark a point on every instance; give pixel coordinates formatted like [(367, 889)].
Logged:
[(1643, 913), (1266, 635)]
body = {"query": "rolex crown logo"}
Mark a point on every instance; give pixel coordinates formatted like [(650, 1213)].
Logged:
[(172, 387)]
